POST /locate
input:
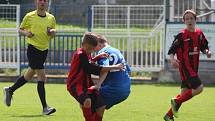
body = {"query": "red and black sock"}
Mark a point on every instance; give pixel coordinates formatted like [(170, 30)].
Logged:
[(97, 117), (87, 114), (186, 95), (170, 113)]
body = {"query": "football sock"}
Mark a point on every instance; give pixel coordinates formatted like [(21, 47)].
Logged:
[(97, 117), (87, 114), (170, 113), (19, 82), (186, 95), (42, 93)]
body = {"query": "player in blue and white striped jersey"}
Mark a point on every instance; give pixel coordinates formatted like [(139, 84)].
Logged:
[(116, 86)]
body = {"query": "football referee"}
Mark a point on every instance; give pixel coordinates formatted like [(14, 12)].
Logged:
[(39, 27)]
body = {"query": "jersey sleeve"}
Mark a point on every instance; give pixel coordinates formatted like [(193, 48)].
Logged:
[(103, 61), (53, 23), (25, 22), (89, 67), (203, 42), (175, 44)]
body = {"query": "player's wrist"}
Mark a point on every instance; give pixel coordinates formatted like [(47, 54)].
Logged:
[(207, 51), (172, 60), (98, 86), (25, 33)]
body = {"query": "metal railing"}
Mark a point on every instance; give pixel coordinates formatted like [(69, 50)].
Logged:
[(136, 30), (203, 9), (9, 39), (60, 52)]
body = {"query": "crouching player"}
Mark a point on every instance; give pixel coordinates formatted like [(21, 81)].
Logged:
[(187, 46), (116, 86), (79, 79)]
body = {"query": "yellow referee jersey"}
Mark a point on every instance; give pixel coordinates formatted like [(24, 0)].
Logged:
[(38, 26)]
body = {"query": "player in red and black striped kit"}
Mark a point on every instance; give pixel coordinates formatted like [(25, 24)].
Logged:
[(187, 46), (79, 79)]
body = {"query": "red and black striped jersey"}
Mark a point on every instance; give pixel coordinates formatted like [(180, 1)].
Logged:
[(79, 77), (187, 46)]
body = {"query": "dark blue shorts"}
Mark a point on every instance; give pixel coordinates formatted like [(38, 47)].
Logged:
[(113, 97), (36, 58)]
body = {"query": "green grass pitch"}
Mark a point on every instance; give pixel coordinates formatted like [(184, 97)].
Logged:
[(146, 103)]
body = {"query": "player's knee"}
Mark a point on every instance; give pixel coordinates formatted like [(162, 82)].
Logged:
[(87, 103), (198, 90), (100, 110), (29, 74), (201, 88), (41, 77), (27, 77)]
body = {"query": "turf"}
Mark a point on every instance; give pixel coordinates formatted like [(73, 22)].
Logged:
[(146, 103)]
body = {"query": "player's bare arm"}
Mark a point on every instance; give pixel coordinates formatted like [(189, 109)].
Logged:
[(112, 67), (25, 32), (101, 55), (104, 73), (174, 62), (99, 82)]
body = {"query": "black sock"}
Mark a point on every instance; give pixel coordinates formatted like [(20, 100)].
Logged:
[(42, 93), (19, 82)]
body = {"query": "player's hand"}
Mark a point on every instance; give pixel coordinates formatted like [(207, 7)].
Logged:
[(208, 53), (174, 63), (103, 55), (95, 87), (120, 66), (50, 31), (29, 34)]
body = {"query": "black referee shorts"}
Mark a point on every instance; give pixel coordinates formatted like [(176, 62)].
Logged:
[(36, 58), (191, 83)]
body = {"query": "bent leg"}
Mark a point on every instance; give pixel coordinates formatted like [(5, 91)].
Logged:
[(194, 87), (8, 91), (22, 80), (86, 108)]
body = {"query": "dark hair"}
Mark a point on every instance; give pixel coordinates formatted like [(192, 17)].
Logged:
[(90, 38), (189, 11)]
